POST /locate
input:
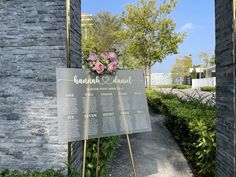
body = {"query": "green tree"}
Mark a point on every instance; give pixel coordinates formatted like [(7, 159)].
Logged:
[(101, 36), (207, 58), (212, 60), (181, 67), (194, 73), (127, 61), (104, 27), (150, 32)]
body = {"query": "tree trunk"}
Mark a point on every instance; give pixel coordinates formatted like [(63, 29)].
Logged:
[(149, 77), (145, 75)]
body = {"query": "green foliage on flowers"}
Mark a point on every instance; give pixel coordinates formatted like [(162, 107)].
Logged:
[(108, 148), (193, 125)]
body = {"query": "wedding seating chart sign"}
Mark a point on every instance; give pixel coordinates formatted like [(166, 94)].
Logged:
[(94, 106)]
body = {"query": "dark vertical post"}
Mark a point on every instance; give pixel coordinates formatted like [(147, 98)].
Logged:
[(73, 53), (68, 64), (225, 91)]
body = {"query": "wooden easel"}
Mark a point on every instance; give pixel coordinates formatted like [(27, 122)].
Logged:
[(85, 141), (98, 151), (68, 62)]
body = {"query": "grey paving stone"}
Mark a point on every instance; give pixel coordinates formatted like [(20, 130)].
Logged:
[(156, 154)]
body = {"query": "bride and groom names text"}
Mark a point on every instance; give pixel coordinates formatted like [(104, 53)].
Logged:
[(102, 80)]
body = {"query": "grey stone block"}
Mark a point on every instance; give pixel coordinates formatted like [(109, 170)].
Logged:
[(225, 92), (32, 46)]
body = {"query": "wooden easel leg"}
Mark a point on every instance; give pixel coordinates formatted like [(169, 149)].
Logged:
[(84, 158), (131, 155), (98, 151), (69, 157)]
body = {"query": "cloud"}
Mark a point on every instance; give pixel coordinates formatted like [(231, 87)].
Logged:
[(187, 27)]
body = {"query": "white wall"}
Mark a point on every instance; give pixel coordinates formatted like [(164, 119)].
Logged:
[(161, 79), (197, 83)]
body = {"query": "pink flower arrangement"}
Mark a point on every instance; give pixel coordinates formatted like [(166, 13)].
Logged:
[(99, 67), (112, 67), (105, 62)]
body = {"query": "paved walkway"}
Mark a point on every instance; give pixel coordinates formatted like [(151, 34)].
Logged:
[(156, 154)]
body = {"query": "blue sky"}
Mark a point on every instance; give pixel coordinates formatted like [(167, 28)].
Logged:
[(197, 18)]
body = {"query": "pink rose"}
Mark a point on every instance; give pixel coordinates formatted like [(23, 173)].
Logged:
[(92, 57), (115, 61), (112, 67), (113, 57), (105, 55), (99, 67)]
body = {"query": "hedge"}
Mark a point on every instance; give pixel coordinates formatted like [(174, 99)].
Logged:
[(193, 126), (181, 86), (174, 86), (208, 88)]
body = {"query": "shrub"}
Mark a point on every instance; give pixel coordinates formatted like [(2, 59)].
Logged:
[(174, 86), (48, 173), (208, 88), (166, 86), (108, 148), (181, 87), (193, 126)]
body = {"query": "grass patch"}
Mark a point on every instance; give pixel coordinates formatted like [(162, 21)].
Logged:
[(182, 86), (208, 88), (174, 86)]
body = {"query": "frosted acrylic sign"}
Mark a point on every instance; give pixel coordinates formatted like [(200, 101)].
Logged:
[(92, 106)]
